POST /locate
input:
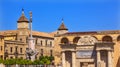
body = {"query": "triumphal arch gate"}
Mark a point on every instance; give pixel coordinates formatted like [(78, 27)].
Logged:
[(87, 52)]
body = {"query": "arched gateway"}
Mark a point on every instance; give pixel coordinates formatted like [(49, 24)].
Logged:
[(87, 52)]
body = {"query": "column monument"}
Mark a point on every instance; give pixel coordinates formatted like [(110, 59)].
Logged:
[(31, 52)]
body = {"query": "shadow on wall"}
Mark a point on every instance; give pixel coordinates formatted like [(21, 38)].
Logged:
[(118, 63)]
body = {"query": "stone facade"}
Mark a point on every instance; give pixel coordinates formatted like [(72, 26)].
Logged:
[(88, 49), (70, 49), (1, 47), (15, 42)]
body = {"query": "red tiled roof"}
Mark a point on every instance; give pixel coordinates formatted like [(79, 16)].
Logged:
[(62, 27), (22, 18)]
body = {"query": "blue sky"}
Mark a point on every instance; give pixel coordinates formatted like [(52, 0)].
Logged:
[(79, 15)]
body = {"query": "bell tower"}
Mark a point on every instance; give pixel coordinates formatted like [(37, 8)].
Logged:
[(22, 28), (22, 22), (62, 29)]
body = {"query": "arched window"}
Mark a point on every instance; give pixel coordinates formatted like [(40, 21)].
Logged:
[(75, 40), (107, 39), (118, 38), (64, 40)]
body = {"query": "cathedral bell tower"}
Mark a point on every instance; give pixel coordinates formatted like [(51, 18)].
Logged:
[(62, 29), (22, 22), (22, 28)]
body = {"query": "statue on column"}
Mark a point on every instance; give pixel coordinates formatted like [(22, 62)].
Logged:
[(31, 51)]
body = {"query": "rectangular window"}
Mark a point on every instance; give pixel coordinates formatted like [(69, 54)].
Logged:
[(50, 43), (46, 42), (16, 47), (51, 53), (11, 49), (20, 50), (36, 40), (1, 48), (41, 42), (26, 39), (41, 52)]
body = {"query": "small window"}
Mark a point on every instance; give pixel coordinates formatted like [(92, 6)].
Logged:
[(51, 53), (11, 49), (35, 56), (1, 48), (20, 50), (41, 52), (21, 57), (16, 48), (46, 42), (26, 39), (36, 40), (41, 42), (11, 57), (1, 57), (50, 43), (20, 39)]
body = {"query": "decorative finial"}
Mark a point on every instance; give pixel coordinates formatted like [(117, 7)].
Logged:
[(62, 20), (22, 11)]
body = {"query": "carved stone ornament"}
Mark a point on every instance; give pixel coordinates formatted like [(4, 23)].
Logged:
[(87, 40)]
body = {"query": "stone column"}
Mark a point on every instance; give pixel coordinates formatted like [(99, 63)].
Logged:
[(109, 59), (73, 59), (63, 59), (98, 59)]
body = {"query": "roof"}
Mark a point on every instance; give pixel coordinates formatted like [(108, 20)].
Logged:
[(8, 32), (41, 34), (53, 33), (62, 27), (22, 18), (35, 33), (94, 32)]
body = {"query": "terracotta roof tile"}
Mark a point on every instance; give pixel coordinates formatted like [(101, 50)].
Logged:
[(23, 18), (62, 27), (36, 33)]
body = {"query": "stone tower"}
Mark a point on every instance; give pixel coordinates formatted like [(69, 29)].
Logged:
[(22, 28), (62, 29)]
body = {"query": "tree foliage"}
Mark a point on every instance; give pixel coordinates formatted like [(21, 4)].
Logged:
[(44, 60)]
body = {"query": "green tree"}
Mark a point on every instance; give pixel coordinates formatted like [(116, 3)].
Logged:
[(1, 61)]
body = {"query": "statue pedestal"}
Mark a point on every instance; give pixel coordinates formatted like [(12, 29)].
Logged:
[(31, 52)]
